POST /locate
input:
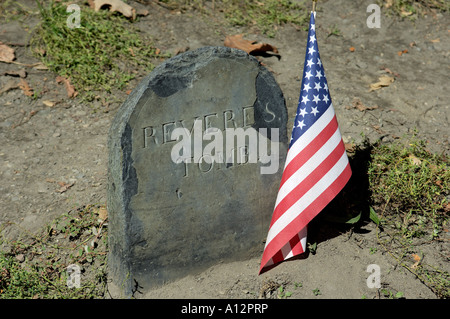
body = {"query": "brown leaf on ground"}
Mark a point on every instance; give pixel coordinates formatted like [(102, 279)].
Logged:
[(11, 84), (181, 50), (23, 85), (382, 82), (414, 160), (64, 187), (39, 66), (102, 213), (69, 87), (405, 13), (416, 259), (447, 208), (251, 47), (6, 53), (400, 53), (390, 71), (350, 147), (357, 104), (21, 73), (114, 6), (49, 103), (142, 12)]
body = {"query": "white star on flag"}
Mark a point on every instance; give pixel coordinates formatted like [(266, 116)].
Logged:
[(305, 99), (303, 112), (316, 98), (308, 75), (318, 74), (314, 110), (317, 86), (307, 87), (316, 167)]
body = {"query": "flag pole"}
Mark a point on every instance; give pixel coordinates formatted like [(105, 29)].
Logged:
[(314, 5)]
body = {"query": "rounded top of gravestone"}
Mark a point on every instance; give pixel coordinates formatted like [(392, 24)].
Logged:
[(178, 72), (181, 71)]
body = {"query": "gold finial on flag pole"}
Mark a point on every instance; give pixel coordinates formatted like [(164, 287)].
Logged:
[(314, 5)]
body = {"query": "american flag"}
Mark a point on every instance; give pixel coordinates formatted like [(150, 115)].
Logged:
[(316, 168)]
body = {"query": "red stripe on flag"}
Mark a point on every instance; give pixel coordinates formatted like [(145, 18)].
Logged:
[(303, 156), (303, 187), (303, 219)]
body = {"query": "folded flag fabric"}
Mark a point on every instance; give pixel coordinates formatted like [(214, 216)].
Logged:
[(316, 167)]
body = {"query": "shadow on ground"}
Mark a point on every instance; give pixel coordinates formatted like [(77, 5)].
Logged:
[(341, 214)]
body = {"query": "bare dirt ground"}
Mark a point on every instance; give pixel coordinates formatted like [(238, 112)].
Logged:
[(44, 148)]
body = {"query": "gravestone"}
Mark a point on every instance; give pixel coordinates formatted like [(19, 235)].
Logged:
[(176, 204)]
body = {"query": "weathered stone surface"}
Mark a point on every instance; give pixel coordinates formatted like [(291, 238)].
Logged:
[(167, 219)]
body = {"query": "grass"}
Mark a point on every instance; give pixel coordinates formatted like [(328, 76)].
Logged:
[(263, 16), (266, 15), (410, 192), (413, 185), (35, 266), (101, 55), (405, 8)]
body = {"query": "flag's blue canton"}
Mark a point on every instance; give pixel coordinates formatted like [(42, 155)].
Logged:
[(314, 97)]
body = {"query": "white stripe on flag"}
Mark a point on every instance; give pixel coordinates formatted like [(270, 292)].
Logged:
[(286, 250), (310, 134), (290, 214), (307, 168)]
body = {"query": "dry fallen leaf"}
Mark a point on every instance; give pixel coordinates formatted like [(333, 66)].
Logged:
[(181, 50), (405, 13), (416, 259), (415, 161), (382, 82), (357, 104), (400, 53), (390, 72), (69, 87), (251, 47), (39, 66), (102, 213), (115, 6), (6, 53), (64, 187), (21, 73), (23, 85), (447, 208), (349, 147), (142, 12), (49, 103), (11, 84)]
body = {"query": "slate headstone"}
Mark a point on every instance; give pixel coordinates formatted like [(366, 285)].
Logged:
[(169, 218)]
